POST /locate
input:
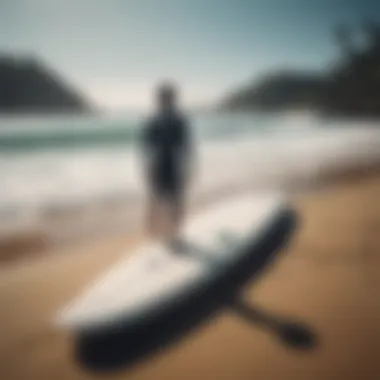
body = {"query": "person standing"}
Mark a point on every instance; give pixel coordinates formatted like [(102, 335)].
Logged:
[(168, 158)]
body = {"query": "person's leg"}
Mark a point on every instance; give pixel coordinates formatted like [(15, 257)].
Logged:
[(177, 212), (154, 210), (169, 207), (151, 215), (176, 215)]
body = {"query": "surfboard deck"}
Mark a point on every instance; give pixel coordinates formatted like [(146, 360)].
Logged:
[(154, 294)]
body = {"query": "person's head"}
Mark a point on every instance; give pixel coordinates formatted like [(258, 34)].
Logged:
[(166, 96)]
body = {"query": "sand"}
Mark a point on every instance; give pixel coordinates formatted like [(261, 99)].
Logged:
[(328, 278)]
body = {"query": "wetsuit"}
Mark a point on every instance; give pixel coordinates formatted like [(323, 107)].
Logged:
[(166, 145)]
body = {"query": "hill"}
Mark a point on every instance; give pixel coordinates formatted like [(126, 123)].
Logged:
[(29, 86), (278, 91), (349, 88)]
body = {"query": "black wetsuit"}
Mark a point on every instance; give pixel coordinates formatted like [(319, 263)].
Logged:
[(166, 143)]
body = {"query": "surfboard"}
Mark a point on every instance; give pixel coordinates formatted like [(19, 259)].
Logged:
[(155, 293)]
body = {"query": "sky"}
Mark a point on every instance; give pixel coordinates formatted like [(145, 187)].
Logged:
[(116, 51)]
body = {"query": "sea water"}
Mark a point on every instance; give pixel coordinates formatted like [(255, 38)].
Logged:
[(49, 164)]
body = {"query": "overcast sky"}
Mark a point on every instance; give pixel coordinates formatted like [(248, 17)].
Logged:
[(116, 50)]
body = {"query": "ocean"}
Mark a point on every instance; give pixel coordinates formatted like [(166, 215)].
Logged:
[(49, 165)]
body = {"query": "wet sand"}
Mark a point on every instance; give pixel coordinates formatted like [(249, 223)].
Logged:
[(328, 278)]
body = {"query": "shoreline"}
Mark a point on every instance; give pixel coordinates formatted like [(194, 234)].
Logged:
[(39, 242)]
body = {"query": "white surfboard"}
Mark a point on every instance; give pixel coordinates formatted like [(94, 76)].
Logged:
[(152, 277)]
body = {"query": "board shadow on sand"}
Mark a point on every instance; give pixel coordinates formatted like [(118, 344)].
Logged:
[(118, 345)]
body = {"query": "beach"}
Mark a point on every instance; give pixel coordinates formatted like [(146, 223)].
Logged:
[(266, 119), (327, 278)]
